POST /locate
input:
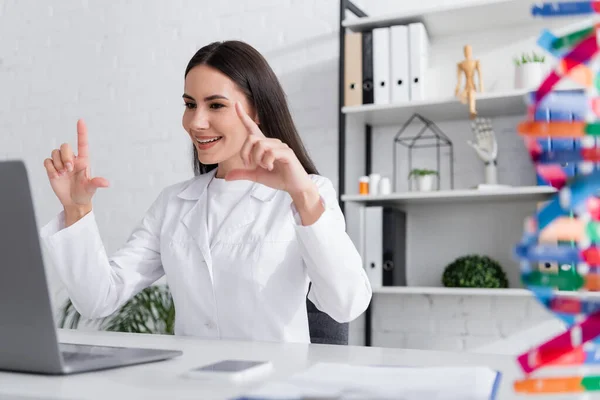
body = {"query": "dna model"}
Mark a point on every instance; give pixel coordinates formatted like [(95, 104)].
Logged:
[(565, 231)]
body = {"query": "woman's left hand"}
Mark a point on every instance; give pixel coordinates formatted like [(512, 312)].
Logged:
[(269, 161)]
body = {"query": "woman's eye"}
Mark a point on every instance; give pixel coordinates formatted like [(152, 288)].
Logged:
[(216, 105), (190, 106)]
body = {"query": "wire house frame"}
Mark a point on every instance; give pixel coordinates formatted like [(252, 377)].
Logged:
[(439, 140)]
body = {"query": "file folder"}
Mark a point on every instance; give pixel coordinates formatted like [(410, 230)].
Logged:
[(381, 65), (385, 250), (419, 58), (367, 67), (394, 247), (353, 69), (400, 56), (373, 246)]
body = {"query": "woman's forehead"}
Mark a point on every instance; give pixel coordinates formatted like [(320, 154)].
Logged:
[(204, 80)]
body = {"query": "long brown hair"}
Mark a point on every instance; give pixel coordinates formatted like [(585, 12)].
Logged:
[(245, 66)]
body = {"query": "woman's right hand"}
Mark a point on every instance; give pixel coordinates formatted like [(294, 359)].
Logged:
[(69, 174)]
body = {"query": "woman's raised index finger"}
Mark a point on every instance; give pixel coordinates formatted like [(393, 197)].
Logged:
[(82, 139), (247, 121)]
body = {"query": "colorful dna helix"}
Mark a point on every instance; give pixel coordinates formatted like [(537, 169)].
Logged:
[(565, 231)]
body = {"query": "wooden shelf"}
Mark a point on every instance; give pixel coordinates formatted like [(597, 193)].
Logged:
[(474, 16), (444, 109), (472, 291), (517, 193)]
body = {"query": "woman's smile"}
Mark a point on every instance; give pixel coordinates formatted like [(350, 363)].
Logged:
[(206, 142)]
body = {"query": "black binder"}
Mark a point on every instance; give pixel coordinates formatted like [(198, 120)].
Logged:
[(367, 67), (394, 247)]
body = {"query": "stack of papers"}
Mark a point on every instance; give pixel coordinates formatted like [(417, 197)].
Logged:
[(343, 381)]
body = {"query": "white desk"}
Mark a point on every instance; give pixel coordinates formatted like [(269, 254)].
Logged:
[(162, 380)]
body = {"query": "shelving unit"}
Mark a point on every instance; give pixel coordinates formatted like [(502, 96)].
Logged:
[(439, 21), (477, 15)]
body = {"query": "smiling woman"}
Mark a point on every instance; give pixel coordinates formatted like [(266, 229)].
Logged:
[(242, 242), (228, 72)]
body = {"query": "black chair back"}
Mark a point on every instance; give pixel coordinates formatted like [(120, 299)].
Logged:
[(323, 328)]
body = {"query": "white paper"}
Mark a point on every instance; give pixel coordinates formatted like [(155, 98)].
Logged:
[(343, 381)]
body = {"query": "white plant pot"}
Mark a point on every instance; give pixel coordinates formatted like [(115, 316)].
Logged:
[(529, 75), (425, 183)]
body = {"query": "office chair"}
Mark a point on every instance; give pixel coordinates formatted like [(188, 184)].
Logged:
[(324, 329)]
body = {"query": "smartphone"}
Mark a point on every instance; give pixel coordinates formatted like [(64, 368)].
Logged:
[(231, 370)]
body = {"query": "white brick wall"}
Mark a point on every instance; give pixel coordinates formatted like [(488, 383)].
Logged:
[(450, 322), (120, 65)]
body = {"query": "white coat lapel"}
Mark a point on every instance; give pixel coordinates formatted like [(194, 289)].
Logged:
[(195, 218)]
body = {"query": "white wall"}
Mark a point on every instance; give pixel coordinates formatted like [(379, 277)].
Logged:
[(120, 67)]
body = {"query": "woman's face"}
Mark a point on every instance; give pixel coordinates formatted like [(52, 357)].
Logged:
[(210, 117)]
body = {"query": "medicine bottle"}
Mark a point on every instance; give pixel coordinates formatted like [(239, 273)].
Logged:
[(363, 185)]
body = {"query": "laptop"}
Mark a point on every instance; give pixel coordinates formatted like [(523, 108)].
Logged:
[(28, 335)]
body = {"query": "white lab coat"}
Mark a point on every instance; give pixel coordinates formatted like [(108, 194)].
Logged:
[(250, 284)]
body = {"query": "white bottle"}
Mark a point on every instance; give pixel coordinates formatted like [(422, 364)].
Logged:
[(385, 186), (374, 183)]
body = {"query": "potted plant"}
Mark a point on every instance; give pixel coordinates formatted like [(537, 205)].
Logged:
[(474, 271), (423, 178), (529, 70)]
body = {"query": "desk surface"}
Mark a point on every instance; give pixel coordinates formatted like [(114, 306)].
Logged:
[(163, 380)]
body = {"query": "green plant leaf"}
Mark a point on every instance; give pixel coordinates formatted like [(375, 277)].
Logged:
[(474, 271), (529, 58), (150, 311), (421, 172)]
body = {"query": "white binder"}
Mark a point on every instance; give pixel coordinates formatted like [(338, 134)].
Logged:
[(381, 65), (399, 53), (373, 257), (419, 57)]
